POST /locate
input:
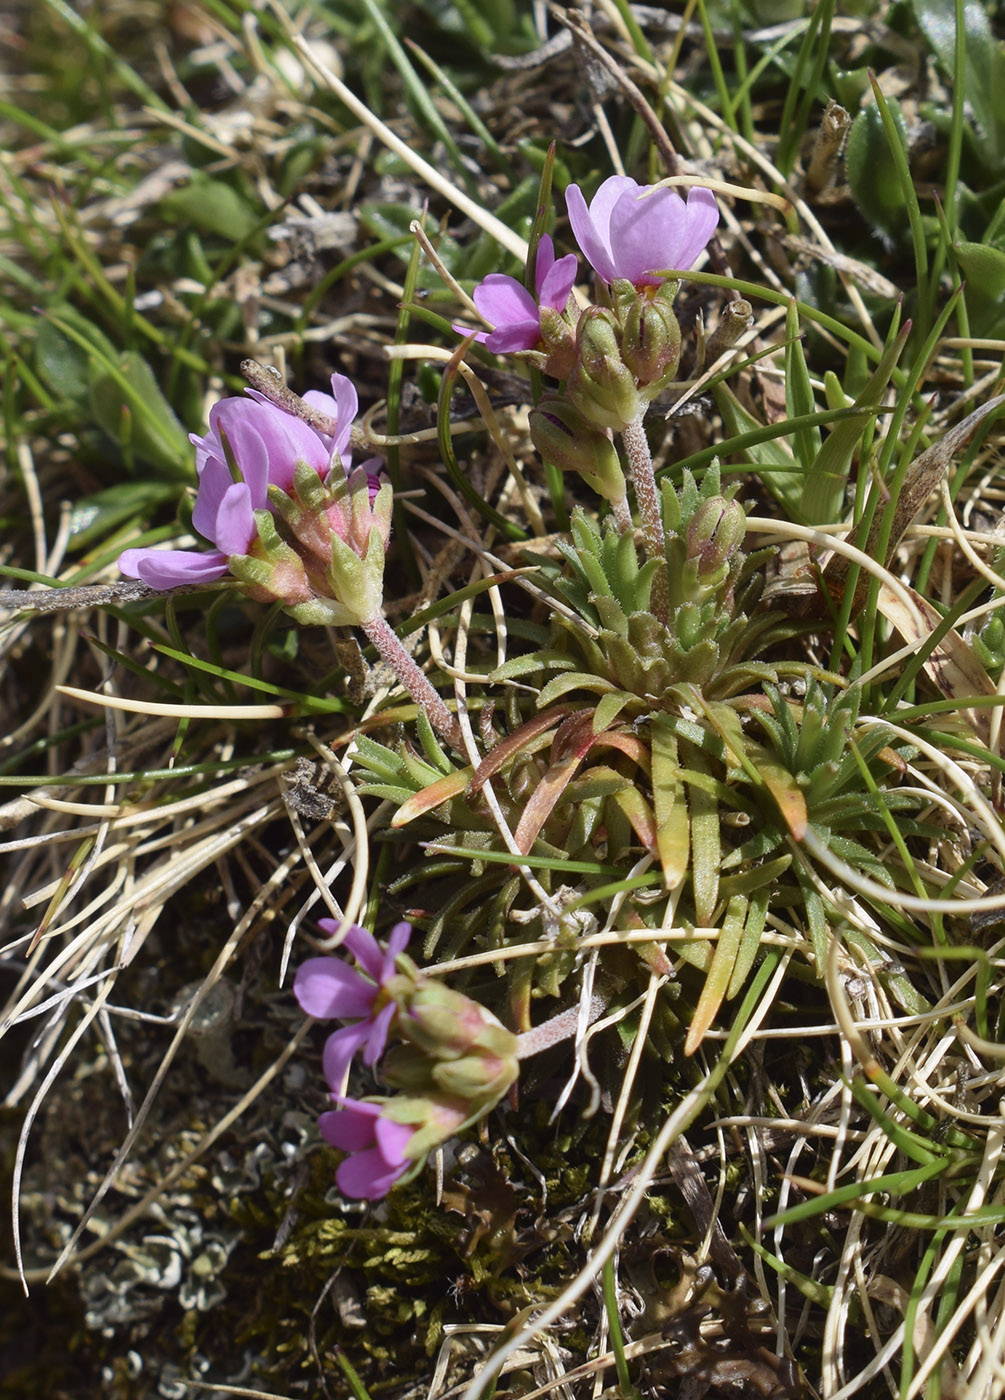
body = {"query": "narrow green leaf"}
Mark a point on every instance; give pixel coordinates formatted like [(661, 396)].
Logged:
[(799, 399), (719, 974), (673, 833), (823, 493)]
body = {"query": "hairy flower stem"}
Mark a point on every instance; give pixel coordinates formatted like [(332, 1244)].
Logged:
[(622, 514), (641, 464), (415, 681), (559, 1028)]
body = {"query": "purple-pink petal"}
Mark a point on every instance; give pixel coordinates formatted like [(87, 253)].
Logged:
[(587, 228), (645, 233), (377, 1146), (350, 1126), (328, 988), (289, 440), (341, 406), (702, 221), (603, 203), (392, 1138), (215, 481), (241, 422), (519, 335), (346, 406), (171, 568), (377, 1030), (557, 284), (544, 261), (339, 1049), (361, 943), (397, 942), (502, 300), (234, 528), (625, 235), (367, 1176)]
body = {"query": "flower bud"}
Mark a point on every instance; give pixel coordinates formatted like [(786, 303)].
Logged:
[(714, 534), (479, 1079), (650, 342), (434, 1118), (570, 442), (448, 1025), (623, 294), (601, 386), (559, 340)]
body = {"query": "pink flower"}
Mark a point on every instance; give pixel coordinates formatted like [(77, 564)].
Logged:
[(376, 1147), (385, 1137), (512, 310), (330, 989), (625, 235), (252, 444)]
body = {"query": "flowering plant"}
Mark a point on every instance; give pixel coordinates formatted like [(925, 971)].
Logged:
[(261, 460), (456, 1064), (383, 1138), (329, 989), (293, 521)]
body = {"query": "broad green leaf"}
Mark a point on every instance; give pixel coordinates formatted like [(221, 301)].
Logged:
[(872, 169), (211, 205), (984, 268), (61, 360), (984, 65), (94, 517), (155, 434)]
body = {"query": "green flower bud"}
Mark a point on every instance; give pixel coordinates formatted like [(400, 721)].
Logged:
[(650, 342), (601, 386), (341, 526), (564, 437), (477, 1078), (714, 534), (623, 295), (448, 1025), (559, 340)]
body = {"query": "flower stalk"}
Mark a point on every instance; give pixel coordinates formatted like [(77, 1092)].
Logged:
[(640, 461), (414, 679)]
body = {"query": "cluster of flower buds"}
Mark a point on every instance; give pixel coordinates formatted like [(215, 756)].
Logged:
[(454, 1063), (285, 510)]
